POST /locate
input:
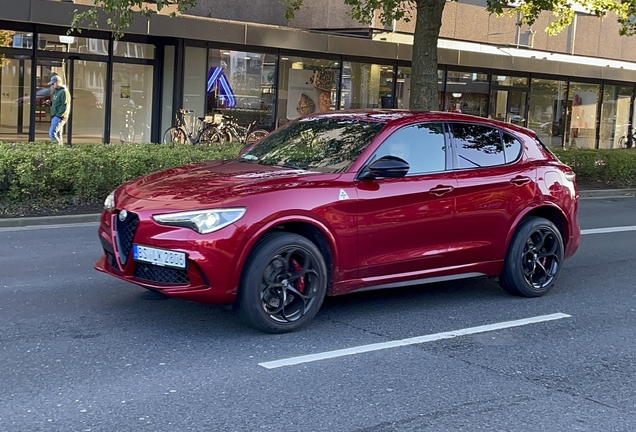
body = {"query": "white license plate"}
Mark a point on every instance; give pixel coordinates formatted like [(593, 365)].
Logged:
[(160, 257)]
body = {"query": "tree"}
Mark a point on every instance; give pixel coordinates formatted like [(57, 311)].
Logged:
[(428, 21), (123, 12)]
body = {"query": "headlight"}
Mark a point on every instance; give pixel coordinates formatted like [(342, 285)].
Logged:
[(109, 203), (202, 221)]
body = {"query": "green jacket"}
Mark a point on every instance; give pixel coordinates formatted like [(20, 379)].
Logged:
[(61, 103)]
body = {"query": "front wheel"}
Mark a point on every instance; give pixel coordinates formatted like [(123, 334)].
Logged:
[(175, 135), (284, 283), (256, 136), (534, 258)]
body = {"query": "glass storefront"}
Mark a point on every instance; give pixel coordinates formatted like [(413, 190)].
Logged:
[(131, 115), (168, 88), (72, 44), (306, 86), (242, 85), (547, 115), (403, 88), (87, 109), (582, 105), (45, 69), (269, 90), (614, 115), (15, 84), (366, 86), (467, 92)]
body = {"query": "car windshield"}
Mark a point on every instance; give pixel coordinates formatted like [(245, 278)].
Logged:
[(328, 145)]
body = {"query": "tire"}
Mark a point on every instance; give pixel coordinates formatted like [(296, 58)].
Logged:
[(275, 300), (622, 142), (534, 259), (210, 136), (175, 135), (255, 136)]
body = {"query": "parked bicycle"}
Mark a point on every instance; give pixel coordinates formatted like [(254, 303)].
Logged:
[(192, 130), (230, 131), (627, 141)]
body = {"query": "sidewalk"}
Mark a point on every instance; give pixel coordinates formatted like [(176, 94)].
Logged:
[(94, 218)]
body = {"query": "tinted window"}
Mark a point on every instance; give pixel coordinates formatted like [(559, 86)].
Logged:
[(422, 146), (326, 144), (477, 146), (512, 148)]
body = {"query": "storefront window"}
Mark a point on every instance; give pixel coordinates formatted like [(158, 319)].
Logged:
[(46, 68), (242, 85), (168, 88), (614, 115), (548, 109), (366, 86), (87, 109), (403, 88), (132, 103), (133, 50), (467, 92), (17, 39), (306, 86), (15, 84), (582, 101), (73, 44), (509, 81), (194, 80)]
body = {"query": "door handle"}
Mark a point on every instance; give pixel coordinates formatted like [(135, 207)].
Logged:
[(520, 180), (441, 190)]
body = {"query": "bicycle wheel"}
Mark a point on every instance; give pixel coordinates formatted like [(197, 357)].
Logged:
[(622, 142), (256, 136), (175, 135), (210, 136)]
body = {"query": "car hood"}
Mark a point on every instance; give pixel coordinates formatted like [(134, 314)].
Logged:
[(211, 182)]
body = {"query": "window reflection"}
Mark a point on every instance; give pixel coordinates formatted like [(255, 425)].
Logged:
[(477, 146), (324, 144)]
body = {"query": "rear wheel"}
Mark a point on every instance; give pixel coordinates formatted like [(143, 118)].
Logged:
[(175, 135), (534, 259), (284, 283)]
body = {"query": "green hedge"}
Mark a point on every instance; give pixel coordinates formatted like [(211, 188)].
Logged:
[(43, 172), (46, 176), (602, 168)]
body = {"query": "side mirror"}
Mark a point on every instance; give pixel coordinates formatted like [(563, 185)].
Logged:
[(385, 167)]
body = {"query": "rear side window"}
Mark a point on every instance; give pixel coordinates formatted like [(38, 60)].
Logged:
[(512, 147), (477, 146)]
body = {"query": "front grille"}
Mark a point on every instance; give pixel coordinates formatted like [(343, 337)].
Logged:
[(125, 234), (162, 275)]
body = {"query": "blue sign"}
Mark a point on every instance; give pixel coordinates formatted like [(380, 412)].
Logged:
[(216, 78)]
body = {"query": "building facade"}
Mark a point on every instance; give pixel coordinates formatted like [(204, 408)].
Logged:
[(244, 59)]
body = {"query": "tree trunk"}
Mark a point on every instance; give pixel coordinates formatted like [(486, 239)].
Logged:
[(424, 72)]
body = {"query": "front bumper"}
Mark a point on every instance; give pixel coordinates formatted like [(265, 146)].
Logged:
[(212, 270)]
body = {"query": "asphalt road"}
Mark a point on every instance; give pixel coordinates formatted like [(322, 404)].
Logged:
[(80, 351)]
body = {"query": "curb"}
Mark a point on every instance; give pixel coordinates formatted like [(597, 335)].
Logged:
[(607, 193), (88, 218), (48, 220)]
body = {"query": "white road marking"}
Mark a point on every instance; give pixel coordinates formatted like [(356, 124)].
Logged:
[(40, 227), (411, 341), (608, 230)]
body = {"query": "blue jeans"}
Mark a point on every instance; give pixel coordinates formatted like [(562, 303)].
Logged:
[(55, 133)]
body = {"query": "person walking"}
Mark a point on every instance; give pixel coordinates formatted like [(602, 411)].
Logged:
[(60, 108)]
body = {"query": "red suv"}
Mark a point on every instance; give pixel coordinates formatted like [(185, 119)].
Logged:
[(334, 203)]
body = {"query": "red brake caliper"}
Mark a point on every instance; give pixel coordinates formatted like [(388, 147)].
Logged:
[(300, 286)]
